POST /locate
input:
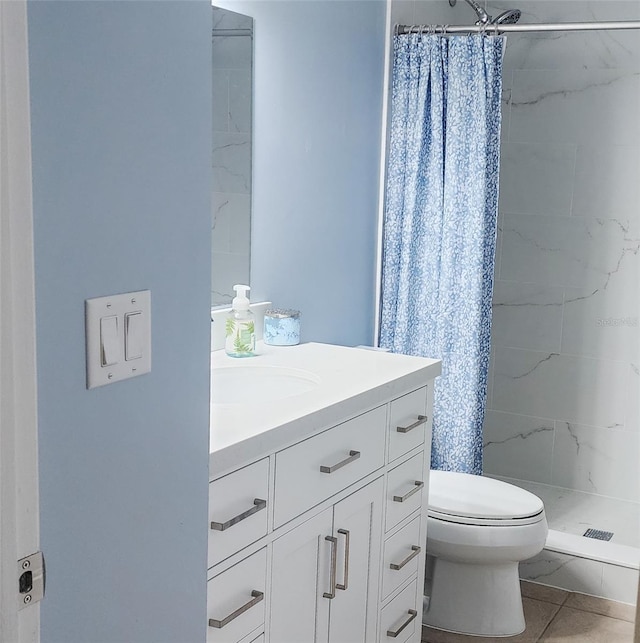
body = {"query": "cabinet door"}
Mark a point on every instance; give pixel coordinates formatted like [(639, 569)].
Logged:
[(357, 525), (300, 577)]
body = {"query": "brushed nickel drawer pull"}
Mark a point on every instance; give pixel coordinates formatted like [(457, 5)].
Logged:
[(259, 504), (353, 455), (412, 614), (346, 534), (257, 597), (418, 485), (422, 419), (415, 551), (334, 562)]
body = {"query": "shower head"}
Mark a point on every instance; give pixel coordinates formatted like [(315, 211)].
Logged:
[(509, 17)]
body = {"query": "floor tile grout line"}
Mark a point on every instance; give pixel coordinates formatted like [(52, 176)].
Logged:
[(548, 625), (588, 611), (558, 607)]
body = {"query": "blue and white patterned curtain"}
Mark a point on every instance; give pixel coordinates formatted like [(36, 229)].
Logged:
[(440, 226)]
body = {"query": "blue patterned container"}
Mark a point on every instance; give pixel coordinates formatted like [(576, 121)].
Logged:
[(281, 327)]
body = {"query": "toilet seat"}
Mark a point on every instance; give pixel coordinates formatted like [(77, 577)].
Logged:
[(474, 500), (487, 522)]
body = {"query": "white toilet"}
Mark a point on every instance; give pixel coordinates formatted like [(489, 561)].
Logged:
[(478, 530)]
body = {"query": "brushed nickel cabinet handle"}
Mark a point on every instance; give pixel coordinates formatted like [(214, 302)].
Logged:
[(346, 534), (405, 429), (353, 455), (412, 614), (257, 597), (418, 485), (259, 504), (415, 551), (334, 561)]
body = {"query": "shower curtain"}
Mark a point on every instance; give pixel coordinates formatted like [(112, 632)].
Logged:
[(440, 225)]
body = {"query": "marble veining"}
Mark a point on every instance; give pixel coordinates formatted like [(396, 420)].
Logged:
[(231, 171), (518, 304), (518, 436), (574, 437), (585, 457), (535, 366), (575, 106), (518, 445), (566, 251), (602, 49), (562, 570), (554, 385), (547, 566), (528, 315), (566, 92)]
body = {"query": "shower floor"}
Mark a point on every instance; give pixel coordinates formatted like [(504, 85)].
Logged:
[(574, 512), (573, 562)]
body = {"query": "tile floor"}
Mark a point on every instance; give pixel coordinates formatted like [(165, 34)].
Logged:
[(556, 616)]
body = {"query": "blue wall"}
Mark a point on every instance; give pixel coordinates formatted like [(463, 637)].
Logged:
[(121, 118), (319, 68)]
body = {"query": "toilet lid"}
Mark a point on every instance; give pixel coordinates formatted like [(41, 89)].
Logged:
[(468, 496)]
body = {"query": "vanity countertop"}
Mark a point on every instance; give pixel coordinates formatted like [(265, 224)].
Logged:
[(350, 380)]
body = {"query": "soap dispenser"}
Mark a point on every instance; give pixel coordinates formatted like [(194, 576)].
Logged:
[(240, 326)]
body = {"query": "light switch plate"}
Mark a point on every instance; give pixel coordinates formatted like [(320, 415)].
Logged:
[(124, 366)]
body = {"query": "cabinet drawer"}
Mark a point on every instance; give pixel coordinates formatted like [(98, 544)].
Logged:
[(408, 423), (319, 467), (237, 510), (406, 485), (235, 600), (402, 553), (401, 619)]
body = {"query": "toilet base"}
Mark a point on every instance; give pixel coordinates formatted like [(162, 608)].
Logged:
[(482, 600)]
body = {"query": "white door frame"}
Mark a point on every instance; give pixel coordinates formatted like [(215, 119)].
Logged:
[(19, 513)]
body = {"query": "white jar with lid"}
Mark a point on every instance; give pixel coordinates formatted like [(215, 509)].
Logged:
[(281, 327)]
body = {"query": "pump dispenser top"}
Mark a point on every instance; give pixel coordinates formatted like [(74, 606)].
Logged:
[(241, 301)]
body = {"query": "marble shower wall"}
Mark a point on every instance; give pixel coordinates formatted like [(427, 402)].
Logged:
[(231, 173), (563, 403), (563, 406)]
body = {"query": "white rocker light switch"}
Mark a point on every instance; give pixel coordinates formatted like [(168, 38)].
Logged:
[(118, 330), (109, 341), (133, 335)]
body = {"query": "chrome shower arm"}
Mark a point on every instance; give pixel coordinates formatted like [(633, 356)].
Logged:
[(483, 16)]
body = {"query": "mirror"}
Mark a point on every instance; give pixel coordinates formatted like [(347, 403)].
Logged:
[(232, 58)]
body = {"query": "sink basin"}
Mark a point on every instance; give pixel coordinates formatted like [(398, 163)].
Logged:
[(255, 384)]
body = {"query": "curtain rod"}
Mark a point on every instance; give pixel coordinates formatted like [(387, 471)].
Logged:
[(495, 29)]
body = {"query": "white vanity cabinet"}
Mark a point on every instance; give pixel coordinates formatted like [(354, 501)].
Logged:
[(321, 539), (324, 571)]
